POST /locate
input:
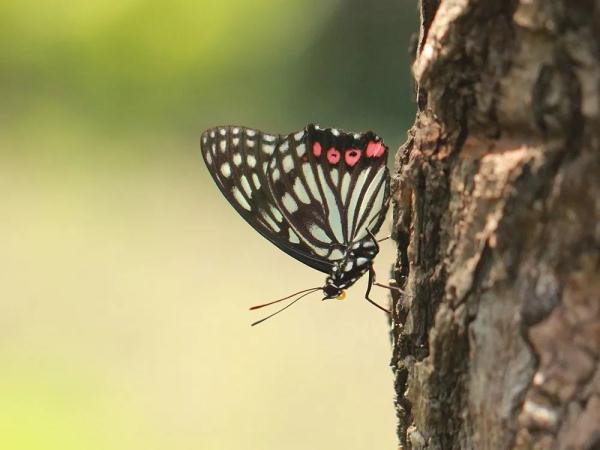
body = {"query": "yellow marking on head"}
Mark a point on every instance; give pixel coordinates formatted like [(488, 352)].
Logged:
[(342, 295)]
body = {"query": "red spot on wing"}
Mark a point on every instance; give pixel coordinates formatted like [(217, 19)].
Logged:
[(375, 149), (352, 156), (316, 149), (333, 156)]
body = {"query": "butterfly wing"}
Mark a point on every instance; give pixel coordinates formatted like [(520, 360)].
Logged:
[(331, 186), (238, 158), (311, 193)]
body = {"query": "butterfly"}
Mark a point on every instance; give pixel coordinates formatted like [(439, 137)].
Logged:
[(320, 195)]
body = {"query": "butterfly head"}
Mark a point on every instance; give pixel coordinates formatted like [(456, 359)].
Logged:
[(332, 291)]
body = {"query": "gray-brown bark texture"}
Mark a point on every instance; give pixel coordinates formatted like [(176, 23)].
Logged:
[(497, 200)]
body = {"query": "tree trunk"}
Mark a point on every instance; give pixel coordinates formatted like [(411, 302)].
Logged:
[(497, 199)]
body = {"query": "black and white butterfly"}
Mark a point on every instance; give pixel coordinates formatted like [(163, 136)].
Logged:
[(320, 195)]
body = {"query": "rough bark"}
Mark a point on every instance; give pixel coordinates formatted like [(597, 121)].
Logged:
[(497, 200)]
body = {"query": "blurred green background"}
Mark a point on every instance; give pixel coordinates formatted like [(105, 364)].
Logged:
[(125, 277)]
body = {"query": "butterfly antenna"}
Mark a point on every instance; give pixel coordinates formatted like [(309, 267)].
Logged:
[(286, 306), (284, 298)]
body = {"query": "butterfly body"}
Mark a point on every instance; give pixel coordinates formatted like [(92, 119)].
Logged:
[(357, 261), (318, 194)]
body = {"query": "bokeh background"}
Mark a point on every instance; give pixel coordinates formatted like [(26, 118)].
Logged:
[(125, 278)]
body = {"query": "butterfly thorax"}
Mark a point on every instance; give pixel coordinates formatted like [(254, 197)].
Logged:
[(346, 271)]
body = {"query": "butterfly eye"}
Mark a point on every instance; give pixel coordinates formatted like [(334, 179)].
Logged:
[(330, 290)]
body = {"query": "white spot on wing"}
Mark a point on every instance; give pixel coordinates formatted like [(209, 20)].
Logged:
[(335, 176), (355, 195), (284, 147), (361, 261), (301, 191), (246, 185), (240, 198), (293, 237), (251, 160), (271, 222), (237, 159), (287, 163), (344, 188), (301, 150), (250, 132), (235, 130), (268, 148), (334, 218), (256, 181), (226, 169), (299, 135), (335, 132), (223, 145), (276, 214), (311, 181), (318, 233), (212, 133), (208, 158), (268, 138), (336, 254), (289, 203), (249, 143), (320, 251), (222, 131), (235, 141), (276, 174)]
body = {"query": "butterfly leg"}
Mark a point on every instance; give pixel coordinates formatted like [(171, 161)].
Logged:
[(371, 282), (391, 288)]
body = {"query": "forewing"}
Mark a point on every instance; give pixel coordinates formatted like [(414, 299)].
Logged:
[(238, 160)]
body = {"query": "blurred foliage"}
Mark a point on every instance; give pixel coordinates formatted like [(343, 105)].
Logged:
[(147, 66), (123, 288)]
